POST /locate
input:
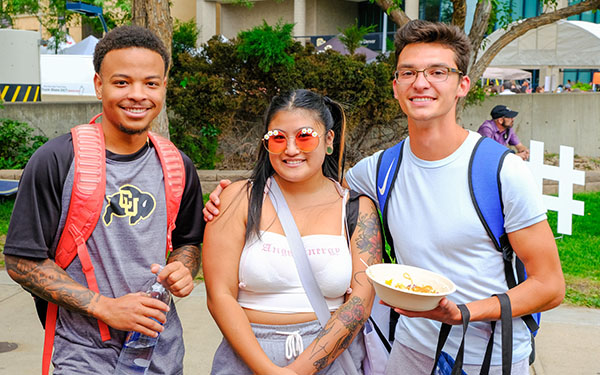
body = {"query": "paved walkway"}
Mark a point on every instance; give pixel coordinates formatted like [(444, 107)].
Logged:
[(568, 343)]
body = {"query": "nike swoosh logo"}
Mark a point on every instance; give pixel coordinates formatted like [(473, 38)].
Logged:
[(382, 188)]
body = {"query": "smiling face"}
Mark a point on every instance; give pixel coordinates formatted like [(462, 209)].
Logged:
[(293, 164), (132, 86), (424, 102)]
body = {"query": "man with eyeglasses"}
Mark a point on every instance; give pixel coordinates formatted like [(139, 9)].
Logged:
[(433, 222), (500, 129)]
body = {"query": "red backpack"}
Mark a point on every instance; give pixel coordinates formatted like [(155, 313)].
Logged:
[(85, 207)]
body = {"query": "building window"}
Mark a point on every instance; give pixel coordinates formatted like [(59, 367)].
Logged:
[(589, 16), (435, 10)]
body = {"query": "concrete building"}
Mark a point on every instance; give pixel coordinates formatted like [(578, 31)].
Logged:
[(319, 20), (311, 17)]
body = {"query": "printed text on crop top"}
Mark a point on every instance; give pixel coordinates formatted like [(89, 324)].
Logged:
[(269, 279)]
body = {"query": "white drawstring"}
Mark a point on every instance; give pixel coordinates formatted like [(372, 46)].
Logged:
[(293, 344)]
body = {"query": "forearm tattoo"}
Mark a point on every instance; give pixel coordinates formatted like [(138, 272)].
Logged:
[(50, 282), (189, 256), (369, 236), (351, 316)]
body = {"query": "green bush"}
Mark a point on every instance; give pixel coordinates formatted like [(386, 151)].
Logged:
[(17, 143), (581, 86), (266, 45), (185, 35)]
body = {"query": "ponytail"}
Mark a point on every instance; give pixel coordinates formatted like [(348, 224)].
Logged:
[(334, 164)]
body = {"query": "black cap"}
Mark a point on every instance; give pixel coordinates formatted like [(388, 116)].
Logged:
[(503, 111)]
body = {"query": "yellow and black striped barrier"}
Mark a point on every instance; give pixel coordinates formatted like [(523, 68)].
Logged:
[(19, 93)]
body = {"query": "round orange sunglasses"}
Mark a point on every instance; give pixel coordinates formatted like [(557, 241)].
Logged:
[(306, 139)]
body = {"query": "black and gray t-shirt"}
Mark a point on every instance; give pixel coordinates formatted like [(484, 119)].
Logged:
[(130, 235)]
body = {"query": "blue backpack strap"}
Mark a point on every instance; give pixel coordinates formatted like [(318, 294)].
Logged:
[(485, 188), (388, 166)]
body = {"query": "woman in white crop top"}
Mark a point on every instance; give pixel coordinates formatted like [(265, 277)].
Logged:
[(253, 288)]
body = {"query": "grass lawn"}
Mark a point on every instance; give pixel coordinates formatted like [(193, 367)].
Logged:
[(6, 206), (579, 253)]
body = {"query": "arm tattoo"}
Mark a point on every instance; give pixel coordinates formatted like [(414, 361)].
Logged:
[(189, 255), (369, 236), (47, 280), (351, 316)]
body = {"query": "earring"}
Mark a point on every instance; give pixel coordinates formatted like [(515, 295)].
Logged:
[(329, 150)]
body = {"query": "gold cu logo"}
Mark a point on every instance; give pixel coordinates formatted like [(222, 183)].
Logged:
[(130, 202)]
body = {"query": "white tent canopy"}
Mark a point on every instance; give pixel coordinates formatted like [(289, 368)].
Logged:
[(85, 47), (566, 44), (506, 73), (69, 42)]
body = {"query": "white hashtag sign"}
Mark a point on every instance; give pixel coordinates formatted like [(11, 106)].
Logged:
[(566, 177)]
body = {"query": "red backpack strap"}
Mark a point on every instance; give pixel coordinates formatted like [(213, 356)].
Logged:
[(174, 175), (87, 197)]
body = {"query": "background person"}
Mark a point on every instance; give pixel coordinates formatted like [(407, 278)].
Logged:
[(253, 289), (131, 76), (500, 129), (507, 88)]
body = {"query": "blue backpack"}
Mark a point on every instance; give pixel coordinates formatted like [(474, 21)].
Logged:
[(484, 186)]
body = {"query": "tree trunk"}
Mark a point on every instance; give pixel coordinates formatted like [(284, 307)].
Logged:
[(459, 15), (156, 16), (396, 14)]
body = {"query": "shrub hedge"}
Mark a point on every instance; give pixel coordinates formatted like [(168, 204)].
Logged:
[(217, 96)]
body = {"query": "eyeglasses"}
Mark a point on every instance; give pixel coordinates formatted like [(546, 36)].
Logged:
[(306, 140), (432, 74)]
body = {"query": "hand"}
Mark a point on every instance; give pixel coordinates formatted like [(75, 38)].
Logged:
[(446, 312), (523, 155), (211, 209), (175, 277), (133, 312)]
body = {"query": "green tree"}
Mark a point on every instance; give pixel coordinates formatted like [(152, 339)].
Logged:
[(55, 18), (11, 8), (185, 35), (353, 35), (267, 45)]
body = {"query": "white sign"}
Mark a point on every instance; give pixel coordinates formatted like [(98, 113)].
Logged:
[(566, 177), (67, 75)]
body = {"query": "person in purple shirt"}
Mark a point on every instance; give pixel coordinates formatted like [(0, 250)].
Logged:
[(499, 128)]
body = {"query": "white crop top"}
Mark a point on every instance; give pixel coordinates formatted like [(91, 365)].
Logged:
[(269, 279)]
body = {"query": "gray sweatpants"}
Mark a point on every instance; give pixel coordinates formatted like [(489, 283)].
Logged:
[(272, 339), (406, 361)]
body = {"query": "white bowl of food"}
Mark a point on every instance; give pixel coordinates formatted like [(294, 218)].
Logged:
[(409, 288)]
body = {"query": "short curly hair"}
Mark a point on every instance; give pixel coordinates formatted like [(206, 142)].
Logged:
[(420, 31), (129, 37)]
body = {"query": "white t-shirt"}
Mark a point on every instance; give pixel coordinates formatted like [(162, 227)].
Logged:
[(435, 226)]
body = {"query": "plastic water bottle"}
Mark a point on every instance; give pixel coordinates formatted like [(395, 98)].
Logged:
[(137, 350)]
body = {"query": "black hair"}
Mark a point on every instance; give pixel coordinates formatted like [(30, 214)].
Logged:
[(327, 112), (129, 37)]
